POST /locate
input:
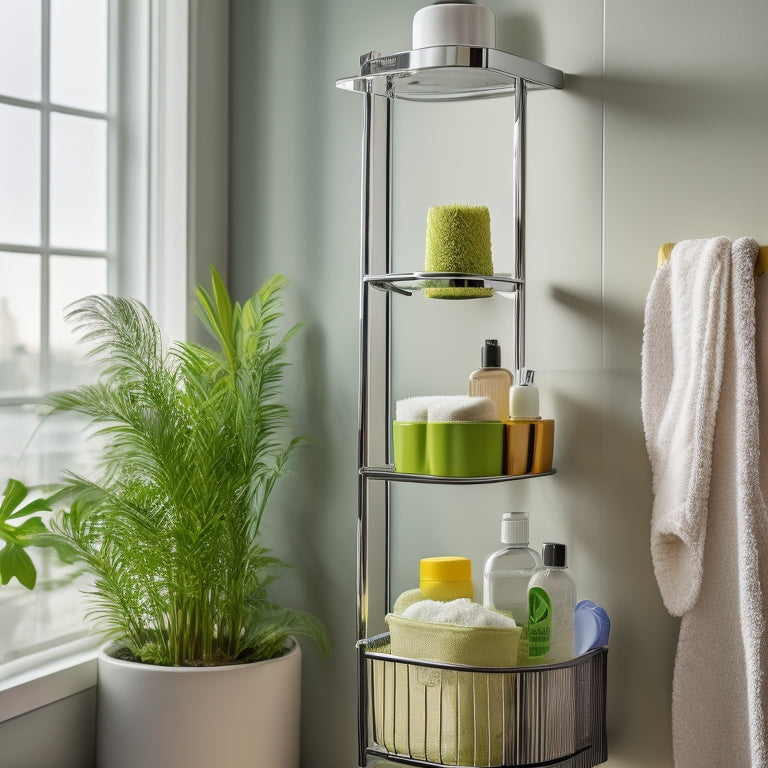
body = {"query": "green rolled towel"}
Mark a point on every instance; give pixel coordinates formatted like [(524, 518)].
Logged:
[(459, 240)]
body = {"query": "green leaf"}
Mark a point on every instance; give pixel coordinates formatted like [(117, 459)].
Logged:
[(29, 529), (15, 492), (14, 561), (38, 505)]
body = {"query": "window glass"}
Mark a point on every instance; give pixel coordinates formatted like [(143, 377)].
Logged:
[(71, 278), (79, 54), (19, 175), (78, 182), (19, 323), (20, 37)]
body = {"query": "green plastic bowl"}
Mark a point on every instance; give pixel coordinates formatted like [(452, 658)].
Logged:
[(409, 441), (449, 449)]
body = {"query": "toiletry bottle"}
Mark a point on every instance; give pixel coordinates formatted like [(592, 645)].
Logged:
[(492, 380), (530, 440), (506, 575), (440, 578), (551, 603)]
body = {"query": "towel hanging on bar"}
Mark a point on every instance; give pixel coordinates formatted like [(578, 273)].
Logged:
[(761, 265)]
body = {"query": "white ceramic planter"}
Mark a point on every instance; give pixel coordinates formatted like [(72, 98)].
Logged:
[(240, 716)]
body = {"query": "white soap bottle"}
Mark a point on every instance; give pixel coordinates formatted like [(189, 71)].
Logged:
[(506, 575), (551, 603)]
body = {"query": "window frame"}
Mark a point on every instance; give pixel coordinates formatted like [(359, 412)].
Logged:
[(46, 109), (172, 234)]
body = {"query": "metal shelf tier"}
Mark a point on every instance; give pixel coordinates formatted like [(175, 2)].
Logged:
[(389, 474), (408, 282), (449, 72), (425, 713)]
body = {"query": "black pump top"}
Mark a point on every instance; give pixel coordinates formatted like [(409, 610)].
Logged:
[(553, 555), (490, 356)]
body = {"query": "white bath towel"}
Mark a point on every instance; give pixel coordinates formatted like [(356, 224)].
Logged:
[(709, 542)]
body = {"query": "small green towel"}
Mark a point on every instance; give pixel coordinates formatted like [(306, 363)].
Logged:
[(459, 240)]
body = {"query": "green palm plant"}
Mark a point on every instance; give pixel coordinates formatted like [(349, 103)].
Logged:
[(195, 440)]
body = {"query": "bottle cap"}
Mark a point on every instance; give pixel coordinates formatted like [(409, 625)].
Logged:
[(591, 626), (490, 355), (514, 528), (445, 569), (553, 555)]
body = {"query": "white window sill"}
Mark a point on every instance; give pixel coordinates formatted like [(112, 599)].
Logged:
[(46, 678)]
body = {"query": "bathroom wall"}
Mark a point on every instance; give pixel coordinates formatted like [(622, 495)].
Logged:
[(657, 137)]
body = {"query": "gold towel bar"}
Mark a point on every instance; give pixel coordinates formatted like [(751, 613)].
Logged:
[(761, 265)]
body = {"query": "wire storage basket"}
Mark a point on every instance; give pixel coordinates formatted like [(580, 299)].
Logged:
[(430, 713)]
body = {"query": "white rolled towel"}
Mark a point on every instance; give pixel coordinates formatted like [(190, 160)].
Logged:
[(413, 408), (462, 408), (462, 612), (443, 408)]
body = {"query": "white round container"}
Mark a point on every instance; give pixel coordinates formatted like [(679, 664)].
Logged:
[(238, 716), (454, 24)]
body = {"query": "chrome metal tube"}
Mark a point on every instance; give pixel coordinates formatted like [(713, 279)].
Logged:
[(518, 203), (388, 353), (362, 389)]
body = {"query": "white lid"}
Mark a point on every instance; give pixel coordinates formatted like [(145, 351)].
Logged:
[(514, 528), (457, 23), (523, 402)]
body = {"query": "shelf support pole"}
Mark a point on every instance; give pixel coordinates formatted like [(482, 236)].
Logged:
[(374, 357), (518, 219)]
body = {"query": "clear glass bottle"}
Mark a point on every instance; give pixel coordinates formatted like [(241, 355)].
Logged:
[(551, 603), (492, 380), (507, 572)]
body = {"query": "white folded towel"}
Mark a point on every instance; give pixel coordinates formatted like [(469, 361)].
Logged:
[(462, 408), (443, 408), (461, 612), (413, 408)]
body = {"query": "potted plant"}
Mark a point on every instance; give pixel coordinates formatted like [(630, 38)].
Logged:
[(170, 527)]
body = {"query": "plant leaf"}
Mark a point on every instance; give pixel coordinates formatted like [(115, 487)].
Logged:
[(14, 561), (15, 492)]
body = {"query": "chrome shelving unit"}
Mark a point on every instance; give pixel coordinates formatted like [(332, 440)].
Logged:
[(443, 73)]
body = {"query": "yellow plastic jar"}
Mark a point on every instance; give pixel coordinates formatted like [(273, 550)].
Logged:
[(445, 578)]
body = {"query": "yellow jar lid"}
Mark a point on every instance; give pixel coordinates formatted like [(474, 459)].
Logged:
[(445, 569)]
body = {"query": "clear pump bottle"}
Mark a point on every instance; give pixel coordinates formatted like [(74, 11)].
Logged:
[(492, 380), (506, 575), (551, 603)]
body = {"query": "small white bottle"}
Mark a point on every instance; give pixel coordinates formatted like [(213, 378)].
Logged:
[(551, 603), (506, 575)]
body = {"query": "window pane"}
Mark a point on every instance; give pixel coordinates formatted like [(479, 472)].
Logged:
[(79, 53), (78, 182), (51, 614), (36, 450), (72, 277), (19, 175), (20, 35), (19, 324)]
